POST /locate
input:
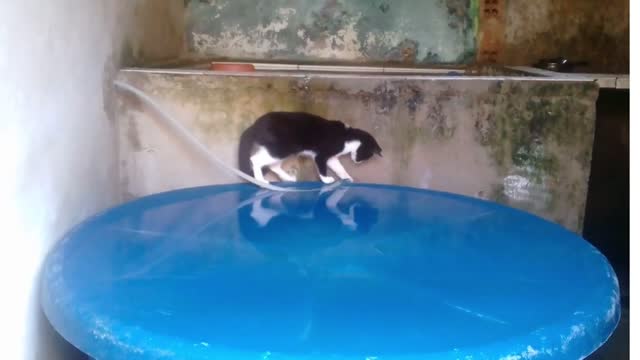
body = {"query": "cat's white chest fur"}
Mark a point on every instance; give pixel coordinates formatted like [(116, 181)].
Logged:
[(350, 147), (262, 158)]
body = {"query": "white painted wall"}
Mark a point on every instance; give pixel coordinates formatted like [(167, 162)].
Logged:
[(57, 145)]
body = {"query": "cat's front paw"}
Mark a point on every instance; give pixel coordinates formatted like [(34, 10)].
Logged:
[(327, 179), (289, 178)]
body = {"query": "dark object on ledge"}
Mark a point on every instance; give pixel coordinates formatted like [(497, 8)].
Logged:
[(559, 64)]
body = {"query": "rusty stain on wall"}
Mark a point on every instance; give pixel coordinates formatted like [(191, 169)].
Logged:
[(522, 143), (491, 20), (408, 32)]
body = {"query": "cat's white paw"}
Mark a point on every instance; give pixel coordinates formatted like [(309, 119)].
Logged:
[(327, 179), (289, 178)]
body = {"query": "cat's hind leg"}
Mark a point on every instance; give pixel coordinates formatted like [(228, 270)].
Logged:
[(278, 170), (259, 160), (335, 166)]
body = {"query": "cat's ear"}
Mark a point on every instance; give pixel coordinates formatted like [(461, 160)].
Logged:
[(379, 151), (339, 124)]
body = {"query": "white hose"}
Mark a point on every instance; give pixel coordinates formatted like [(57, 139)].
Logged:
[(181, 131)]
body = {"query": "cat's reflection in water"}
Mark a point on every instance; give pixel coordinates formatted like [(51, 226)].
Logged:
[(265, 209), (353, 214), (310, 236), (304, 223)]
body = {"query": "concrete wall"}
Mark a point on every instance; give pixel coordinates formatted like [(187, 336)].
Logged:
[(522, 143), (58, 141), (158, 34), (409, 31)]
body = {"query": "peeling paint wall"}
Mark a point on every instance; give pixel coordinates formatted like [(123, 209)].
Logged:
[(409, 32), (587, 30), (522, 143)]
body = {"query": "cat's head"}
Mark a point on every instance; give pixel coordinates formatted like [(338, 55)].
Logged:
[(368, 146)]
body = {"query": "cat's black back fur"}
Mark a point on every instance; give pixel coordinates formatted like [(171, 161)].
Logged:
[(288, 133)]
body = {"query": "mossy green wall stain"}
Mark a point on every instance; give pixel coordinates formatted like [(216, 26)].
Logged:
[(535, 137), (408, 32), (525, 125), (474, 12)]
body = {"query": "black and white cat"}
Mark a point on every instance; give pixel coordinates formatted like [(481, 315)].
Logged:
[(277, 135)]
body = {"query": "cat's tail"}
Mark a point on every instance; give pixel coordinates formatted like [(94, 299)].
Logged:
[(244, 151), (245, 146)]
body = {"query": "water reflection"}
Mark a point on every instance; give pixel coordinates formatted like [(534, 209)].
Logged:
[(334, 211), (312, 271)]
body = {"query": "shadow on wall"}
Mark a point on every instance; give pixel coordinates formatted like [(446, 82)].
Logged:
[(50, 340), (607, 215)]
